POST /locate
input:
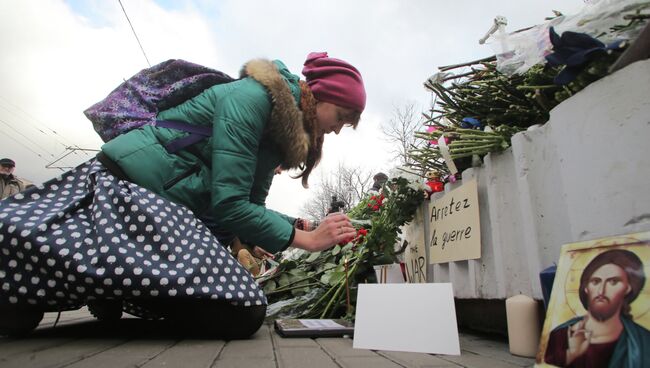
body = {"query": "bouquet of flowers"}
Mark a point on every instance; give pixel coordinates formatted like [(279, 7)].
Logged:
[(478, 108), (324, 284)]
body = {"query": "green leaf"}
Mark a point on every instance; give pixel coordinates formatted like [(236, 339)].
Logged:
[(298, 273), (336, 250), (312, 257), (332, 278), (287, 265), (325, 279), (269, 286), (283, 280), (300, 291)]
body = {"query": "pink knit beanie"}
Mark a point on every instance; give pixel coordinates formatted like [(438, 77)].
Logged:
[(334, 81)]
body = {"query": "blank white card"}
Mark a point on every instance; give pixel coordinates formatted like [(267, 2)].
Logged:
[(406, 317)]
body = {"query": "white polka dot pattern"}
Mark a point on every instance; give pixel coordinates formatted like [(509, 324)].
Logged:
[(88, 235)]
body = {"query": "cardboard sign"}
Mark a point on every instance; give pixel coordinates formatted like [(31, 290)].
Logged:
[(406, 317), (455, 226), (600, 298), (415, 257)]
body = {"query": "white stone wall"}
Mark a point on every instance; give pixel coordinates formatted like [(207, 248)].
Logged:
[(583, 175)]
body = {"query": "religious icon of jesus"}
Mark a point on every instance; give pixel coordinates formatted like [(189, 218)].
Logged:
[(608, 333)]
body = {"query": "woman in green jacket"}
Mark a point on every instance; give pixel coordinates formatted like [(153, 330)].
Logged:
[(144, 226)]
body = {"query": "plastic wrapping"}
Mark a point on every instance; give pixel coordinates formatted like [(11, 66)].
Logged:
[(519, 51)]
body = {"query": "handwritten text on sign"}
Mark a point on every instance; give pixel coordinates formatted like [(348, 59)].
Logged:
[(455, 226), (415, 255)]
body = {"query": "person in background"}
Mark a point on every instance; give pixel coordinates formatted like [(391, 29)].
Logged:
[(10, 184), (378, 181), (336, 205), (145, 229)]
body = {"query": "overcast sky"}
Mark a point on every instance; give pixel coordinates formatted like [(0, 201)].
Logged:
[(59, 57)]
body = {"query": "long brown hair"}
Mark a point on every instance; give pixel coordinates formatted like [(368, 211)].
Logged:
[(316, 137)]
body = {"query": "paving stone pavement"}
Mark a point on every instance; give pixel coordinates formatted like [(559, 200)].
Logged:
[(80, 341)]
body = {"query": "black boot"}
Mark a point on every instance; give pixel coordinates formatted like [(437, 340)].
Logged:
[(19, 320), (107, 310), (209, 318)]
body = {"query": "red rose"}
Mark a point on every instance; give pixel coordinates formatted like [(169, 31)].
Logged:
[(345, 241), (361, 233)]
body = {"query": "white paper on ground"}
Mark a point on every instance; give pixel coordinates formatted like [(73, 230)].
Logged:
[(406, 317), (319, 323)]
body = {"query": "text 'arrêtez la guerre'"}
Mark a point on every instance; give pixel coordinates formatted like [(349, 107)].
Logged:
[(440, 213)]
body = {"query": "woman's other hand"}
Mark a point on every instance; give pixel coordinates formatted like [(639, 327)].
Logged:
[(260, 253), (335, 228)]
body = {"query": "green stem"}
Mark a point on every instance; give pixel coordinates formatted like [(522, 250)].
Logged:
[(479, 61), (470, 154), (486, 137), (282, 290), (468, 131), (548, 86), (338, 292), (330, 290), (473, 149), (467, 145)]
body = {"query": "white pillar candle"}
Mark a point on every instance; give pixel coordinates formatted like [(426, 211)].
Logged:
[(523, 325)]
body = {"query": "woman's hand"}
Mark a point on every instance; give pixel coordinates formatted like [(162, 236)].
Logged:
[(335, 228), (260, 253)]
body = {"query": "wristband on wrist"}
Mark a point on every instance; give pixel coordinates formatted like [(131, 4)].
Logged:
[(305, 225)]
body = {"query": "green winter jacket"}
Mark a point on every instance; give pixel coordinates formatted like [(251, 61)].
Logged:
[(257, 126)]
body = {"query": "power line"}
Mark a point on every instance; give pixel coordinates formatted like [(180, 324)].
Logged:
[(65, 142), (27, 138), (37, 145), (65, 154), (31, 123), (48, 165), (135, 34), (24, 145)]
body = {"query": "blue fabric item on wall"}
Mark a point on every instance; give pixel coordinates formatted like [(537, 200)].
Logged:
[(575, 50), (546, 278)]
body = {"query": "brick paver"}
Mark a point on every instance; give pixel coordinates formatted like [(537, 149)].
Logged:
[(79, 341)]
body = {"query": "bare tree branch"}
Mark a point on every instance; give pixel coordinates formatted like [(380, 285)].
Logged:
[(348, 184), (400, 131)]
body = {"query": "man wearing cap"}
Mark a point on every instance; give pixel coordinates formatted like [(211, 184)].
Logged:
[(9, 183), (606, 336)]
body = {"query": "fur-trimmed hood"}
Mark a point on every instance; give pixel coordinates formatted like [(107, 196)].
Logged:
[(286, 127)]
